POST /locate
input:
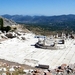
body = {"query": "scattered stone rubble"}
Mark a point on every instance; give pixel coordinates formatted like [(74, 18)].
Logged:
[(20, 35), (8, 35), (63, 69)]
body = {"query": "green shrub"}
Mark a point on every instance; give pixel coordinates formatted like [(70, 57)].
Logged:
[(7, 28)]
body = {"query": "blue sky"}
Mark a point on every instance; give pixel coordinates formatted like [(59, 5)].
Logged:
[(37, 7)]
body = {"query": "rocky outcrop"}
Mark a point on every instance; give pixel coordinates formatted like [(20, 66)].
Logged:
[(8, 22)]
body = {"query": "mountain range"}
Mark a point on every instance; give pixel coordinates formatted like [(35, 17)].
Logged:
[(40, 19), (49, 23)]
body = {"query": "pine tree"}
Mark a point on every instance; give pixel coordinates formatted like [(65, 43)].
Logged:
[(1, 24)]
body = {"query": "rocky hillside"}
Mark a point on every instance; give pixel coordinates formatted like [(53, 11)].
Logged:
[(13, 25), (8, 22)]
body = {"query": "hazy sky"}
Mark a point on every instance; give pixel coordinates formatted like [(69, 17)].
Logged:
[(37, 7)]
